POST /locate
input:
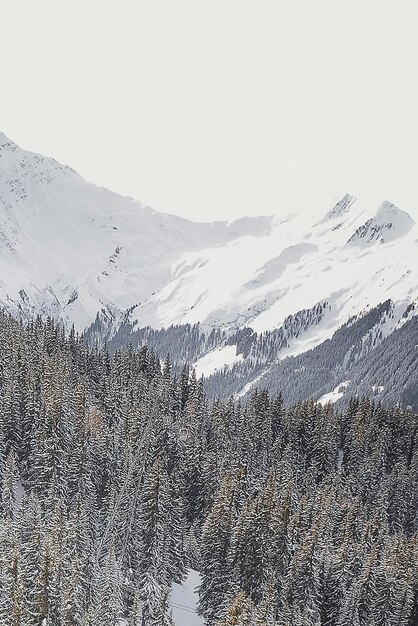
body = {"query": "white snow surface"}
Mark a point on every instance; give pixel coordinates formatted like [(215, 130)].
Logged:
[(217, 359), (377, 389), (251, 385), (184, 600), (71, 249), (335, 394)]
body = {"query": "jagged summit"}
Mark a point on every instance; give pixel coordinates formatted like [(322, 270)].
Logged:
[(389, 223), (6, 143), (21, 171), (342, 207)]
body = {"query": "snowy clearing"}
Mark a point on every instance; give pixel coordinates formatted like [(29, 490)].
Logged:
[(336, 394), (378, 389), (216, 360), (249, 386), (184, 599)]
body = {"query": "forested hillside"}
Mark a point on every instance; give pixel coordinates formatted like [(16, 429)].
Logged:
[(374, 354), (118, 476)]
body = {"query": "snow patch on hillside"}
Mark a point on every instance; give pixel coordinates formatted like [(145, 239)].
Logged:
[(249, 386), (377, 389), (335, 394), (218, 359)]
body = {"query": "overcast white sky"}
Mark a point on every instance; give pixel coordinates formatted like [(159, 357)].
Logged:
[(214, 109)]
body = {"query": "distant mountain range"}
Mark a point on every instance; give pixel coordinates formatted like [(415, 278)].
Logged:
[(258, 301)]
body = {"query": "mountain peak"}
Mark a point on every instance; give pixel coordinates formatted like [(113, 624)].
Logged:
[(342, 206), (388, 224), (390, 212), (69, 248), (21, 169), (6, 143)]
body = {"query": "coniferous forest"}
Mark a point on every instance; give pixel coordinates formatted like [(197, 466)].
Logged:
[(118, 476)]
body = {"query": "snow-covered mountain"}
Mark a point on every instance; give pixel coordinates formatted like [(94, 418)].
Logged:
[(74, 250), (69, 248)]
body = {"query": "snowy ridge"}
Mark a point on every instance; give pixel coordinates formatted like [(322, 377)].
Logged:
[(342, 207), (73, 250)]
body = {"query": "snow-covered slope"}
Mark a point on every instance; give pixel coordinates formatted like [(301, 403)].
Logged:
[(388, 224), (71, 249), (259, 281)]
